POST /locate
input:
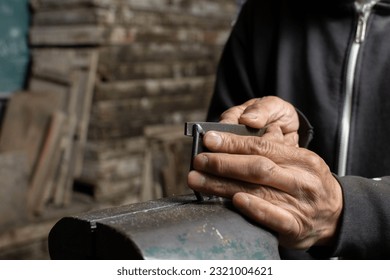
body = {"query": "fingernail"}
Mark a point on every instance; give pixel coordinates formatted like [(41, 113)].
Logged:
[(241, 199), (201, 161), (196, 179), (249, 116), (213, 139)]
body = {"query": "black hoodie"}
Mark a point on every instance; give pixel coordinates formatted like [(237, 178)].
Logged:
[(301, 51)]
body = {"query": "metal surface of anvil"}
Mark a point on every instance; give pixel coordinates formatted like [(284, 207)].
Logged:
[(171, 228)]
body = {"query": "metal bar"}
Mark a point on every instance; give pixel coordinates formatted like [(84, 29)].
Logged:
[(198, 129), (238, 129)]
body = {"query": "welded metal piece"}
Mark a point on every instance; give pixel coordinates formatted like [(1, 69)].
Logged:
[(171, 228), (197, 147), (238, 129), (198, 129)]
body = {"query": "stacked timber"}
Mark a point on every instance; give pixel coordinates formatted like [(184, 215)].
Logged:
[(49, 122), (155, 67)]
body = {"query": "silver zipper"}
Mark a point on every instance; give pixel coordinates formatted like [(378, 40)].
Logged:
[(364, 11)]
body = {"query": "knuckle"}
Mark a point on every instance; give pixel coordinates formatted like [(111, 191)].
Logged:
[(312, 160), (267, 168), (261, 170), (264, 147), (229, 144), (237, 144), (226, 114), (218, 166), (271, 98), (230, 116)]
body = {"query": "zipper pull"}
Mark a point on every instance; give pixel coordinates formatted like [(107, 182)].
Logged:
[(361, 29), (364, 11)]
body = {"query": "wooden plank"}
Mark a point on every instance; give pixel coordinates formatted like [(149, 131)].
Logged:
[(50, 187), (118, 168), (149, 190), (106, 150), (40, 186), (36, 250), (221, 9), (52, 65), (158, 34), (84, 112), (67, 35), (13, 189), (120, 90), (108, 112), (54, 57), (118, 71), (38, 85), (65, 165), (52, 175), (39, 4), (76, 35), (80, 14), (157, 51), (129, 17), (123, 129), (26, 120), (218, 9), (38, 229), (73, 16), (172, 131), (25, 234), (80, 93), (97, 132), (78, 68), (106, 190), (55, 63)]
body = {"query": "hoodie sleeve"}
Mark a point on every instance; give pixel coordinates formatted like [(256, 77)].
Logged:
[(233, 81), (364, 231)]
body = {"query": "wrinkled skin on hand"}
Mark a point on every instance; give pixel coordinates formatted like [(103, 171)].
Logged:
[(272, 181), (279, 117)]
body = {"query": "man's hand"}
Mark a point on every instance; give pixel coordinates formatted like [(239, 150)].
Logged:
[(288, 189), (278, 116)]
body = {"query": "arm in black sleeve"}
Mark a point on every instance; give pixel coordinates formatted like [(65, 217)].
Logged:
[(236, 81), (233, 82), (364, 231)]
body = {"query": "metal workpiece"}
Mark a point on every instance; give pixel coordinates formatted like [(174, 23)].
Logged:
[(171, 228), (198, 129), (238, 129)]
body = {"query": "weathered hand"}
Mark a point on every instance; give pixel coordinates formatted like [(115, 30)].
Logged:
[(288, 189), (278, 116)]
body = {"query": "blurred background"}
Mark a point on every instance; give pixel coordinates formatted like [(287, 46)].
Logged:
[(94, 95)]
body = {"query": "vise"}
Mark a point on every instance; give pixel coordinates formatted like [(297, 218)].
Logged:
[(179, 227)]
